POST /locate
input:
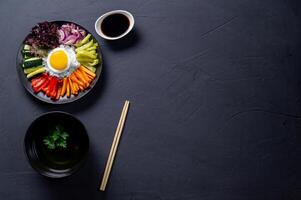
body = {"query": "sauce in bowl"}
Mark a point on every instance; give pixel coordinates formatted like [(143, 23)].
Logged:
[(115, 25)]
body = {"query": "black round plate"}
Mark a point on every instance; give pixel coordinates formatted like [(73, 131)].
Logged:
[(41, 96)]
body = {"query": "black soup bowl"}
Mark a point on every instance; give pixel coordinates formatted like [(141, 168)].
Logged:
[(56, 144)]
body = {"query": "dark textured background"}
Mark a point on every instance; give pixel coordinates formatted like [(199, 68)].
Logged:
[(216, 102)]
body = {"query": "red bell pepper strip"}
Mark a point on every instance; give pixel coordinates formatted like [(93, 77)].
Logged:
[(53, 88), (45, 88), (50, 86), (40, 81), (39, 87), (58, 94), (36, 80), (38, 84)]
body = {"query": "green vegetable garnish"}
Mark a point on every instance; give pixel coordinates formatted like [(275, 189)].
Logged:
[(57, 138)]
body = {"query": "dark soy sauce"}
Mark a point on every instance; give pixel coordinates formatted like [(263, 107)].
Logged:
[(115, 25)]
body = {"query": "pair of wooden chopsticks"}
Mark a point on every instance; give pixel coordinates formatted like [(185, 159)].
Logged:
[(114, 146)]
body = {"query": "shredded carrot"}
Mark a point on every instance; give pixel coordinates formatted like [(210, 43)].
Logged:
[(87, 71), (71, 86), (81, 88), (91, 77), (75, 86), (81, 77), (85, 76), (76, 80), (67, 88), (63, 91)]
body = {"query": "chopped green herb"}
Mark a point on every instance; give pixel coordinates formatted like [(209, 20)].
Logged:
[(57, 138)]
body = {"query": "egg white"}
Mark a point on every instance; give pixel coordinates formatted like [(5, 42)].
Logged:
[(73, 64)]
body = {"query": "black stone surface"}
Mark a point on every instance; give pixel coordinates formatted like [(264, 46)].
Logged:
[(215, 91)]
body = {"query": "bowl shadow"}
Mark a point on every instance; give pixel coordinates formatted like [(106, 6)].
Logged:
[(128, 41), (82, 185)]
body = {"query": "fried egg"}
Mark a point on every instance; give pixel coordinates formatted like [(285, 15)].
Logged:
[(61, 61)]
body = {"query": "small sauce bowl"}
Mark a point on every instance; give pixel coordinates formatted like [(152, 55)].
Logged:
[(99, 24)]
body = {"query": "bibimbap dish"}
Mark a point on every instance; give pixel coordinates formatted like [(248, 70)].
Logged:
[(59, 62)]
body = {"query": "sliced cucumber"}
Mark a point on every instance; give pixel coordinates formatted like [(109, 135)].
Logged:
[(32, 62), (27, 54), (32, 59), (32, 69), (41, 70)]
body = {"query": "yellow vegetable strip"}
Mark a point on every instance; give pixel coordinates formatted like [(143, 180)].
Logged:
[(38, 71), (85, 46)]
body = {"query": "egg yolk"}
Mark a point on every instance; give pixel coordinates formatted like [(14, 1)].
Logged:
[(59, 60)]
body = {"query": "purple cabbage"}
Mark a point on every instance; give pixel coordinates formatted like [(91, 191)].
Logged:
[(70, 34)]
